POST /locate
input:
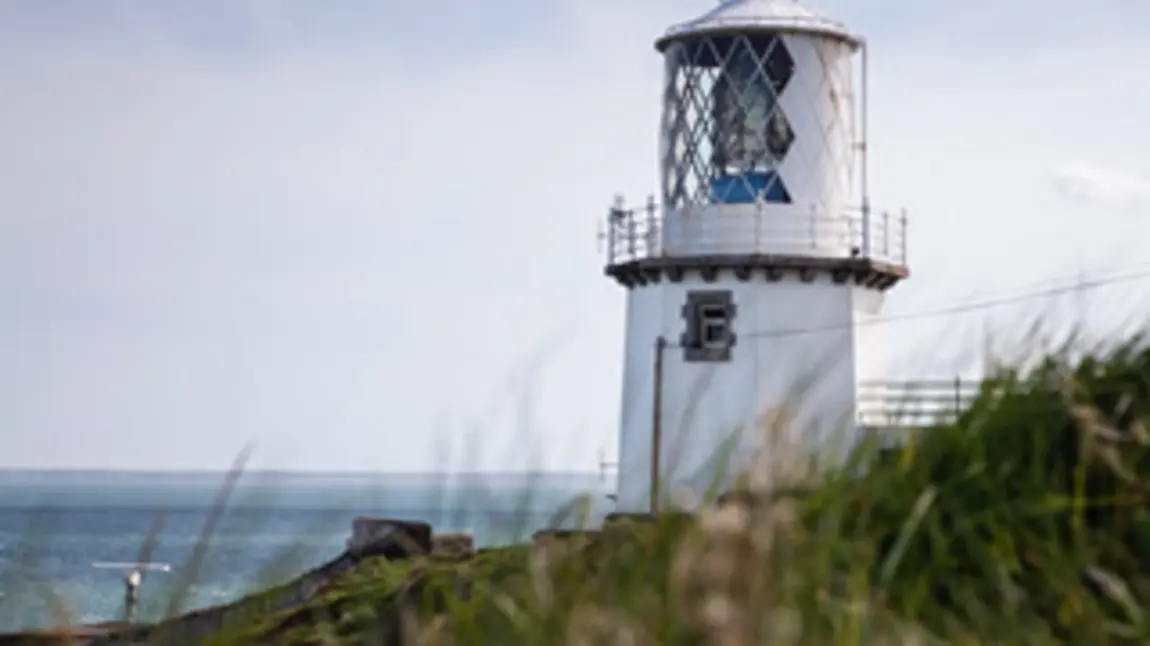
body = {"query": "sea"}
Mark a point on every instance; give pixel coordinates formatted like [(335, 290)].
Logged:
[(66, 536)]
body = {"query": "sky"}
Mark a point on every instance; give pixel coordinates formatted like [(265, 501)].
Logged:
[(362, 235)]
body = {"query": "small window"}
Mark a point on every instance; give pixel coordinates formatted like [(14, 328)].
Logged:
[(708, 316), (714, 326)]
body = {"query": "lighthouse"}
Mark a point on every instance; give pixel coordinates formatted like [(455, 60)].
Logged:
[(754, 280)]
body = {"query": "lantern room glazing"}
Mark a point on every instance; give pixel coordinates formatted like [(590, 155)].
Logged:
[(724, 133)]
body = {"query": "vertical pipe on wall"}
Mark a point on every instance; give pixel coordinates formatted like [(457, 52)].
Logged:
[(863, 136), (657, 422)]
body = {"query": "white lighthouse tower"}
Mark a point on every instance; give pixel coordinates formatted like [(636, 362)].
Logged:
[(750, 282)]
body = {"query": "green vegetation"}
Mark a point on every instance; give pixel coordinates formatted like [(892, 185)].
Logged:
[(1024, 522)]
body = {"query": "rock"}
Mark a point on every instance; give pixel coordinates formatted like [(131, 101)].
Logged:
[(390, 538), (633, 517), (78, 636), (454, 545), (569, 537)]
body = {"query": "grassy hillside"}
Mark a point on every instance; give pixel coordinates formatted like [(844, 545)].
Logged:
[(1024, 522)]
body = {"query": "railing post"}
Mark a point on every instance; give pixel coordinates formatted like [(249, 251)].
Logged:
[(759, 223), (652, 224), (866, 232), (814, 227), (886, 235), (957, 396), (631, 242), (903, 232), (613, 215)]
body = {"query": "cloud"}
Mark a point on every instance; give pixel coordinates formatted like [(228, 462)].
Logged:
[(304, 244), (333, 231), (1103, 187)]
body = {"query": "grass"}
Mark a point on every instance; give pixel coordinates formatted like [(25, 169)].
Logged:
[(1025, 521)]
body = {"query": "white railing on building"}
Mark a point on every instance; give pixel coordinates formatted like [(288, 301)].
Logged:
[(899, 405), (649, 231), (914, 404)]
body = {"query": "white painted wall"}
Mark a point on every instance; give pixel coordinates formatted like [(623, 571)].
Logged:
[(870, 348), (759, 229), (818, 170), (708, 404)]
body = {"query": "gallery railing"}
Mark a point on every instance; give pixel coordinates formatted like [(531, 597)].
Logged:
[(649, 231)]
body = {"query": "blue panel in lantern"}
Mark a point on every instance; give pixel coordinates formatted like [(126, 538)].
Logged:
[(742, 188)]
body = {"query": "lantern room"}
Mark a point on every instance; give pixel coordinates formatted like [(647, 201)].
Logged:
[(759, 107)]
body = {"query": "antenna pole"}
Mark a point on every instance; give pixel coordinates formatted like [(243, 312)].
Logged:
[(131, 595)]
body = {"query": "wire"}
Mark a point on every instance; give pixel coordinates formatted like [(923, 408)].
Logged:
[(1080, 285), (1074, 279)]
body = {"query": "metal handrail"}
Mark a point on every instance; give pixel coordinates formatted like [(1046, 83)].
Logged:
[(634, 234), (915, 403)]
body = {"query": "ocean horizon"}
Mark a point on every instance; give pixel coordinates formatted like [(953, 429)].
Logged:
[(59, 528)]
